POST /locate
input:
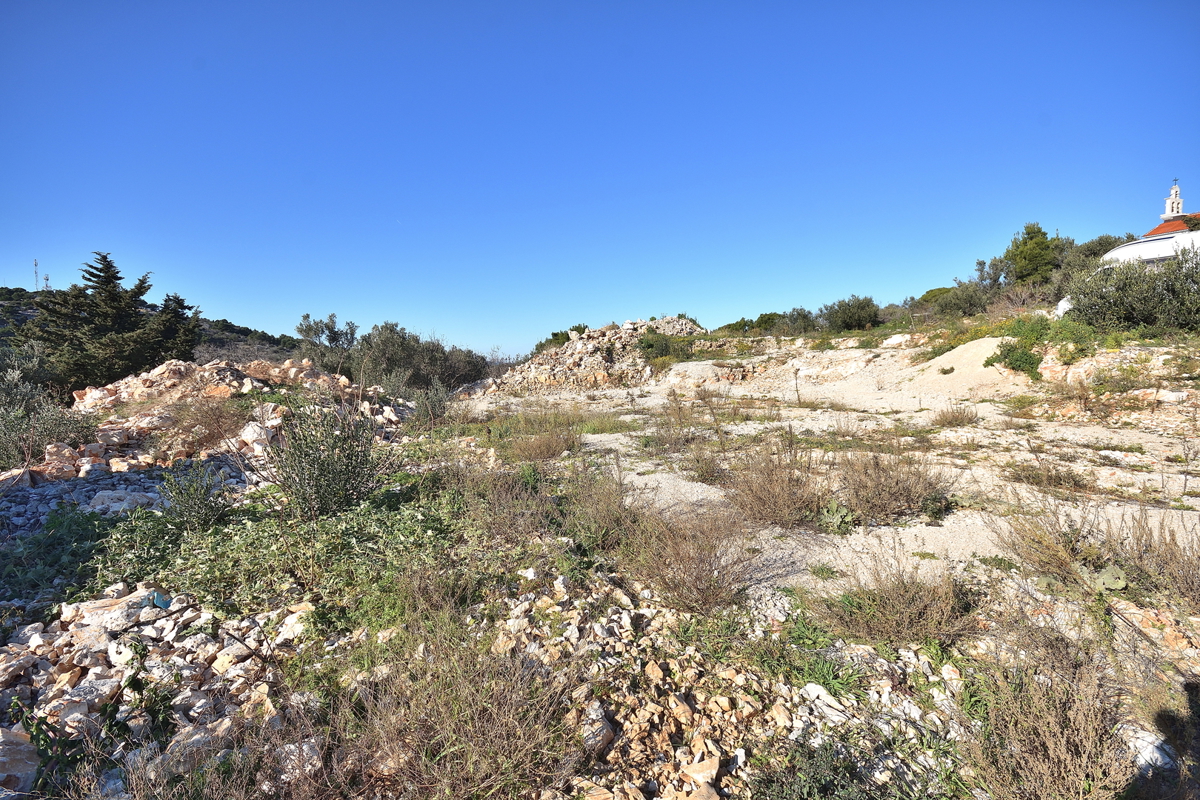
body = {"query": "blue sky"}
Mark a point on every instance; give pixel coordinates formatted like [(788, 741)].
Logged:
[(491, 171)]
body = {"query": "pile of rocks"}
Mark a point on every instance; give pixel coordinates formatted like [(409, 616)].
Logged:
[(594, 359), (672, 721), (80, 669)]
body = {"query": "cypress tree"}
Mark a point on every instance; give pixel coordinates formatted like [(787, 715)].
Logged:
[(99, 331)]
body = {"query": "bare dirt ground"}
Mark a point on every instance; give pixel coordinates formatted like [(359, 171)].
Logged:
[(1134, 460)]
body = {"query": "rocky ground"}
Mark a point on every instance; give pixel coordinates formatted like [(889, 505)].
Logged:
[(678, 715)]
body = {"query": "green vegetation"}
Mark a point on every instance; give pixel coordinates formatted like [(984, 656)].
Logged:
[(559, 338), (388, 356), (99, 331), (29, 417)]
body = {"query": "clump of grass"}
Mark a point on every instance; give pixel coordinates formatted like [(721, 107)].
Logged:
[(956, 416), (1045, 474), (700, 562), (704, 465), (897, 603), (544, 446), (879, 486)]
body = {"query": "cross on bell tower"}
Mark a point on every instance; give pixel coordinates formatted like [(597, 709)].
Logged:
[(1174, 204)]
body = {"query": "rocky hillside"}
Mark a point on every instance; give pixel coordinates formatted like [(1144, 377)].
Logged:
[(767, 574)]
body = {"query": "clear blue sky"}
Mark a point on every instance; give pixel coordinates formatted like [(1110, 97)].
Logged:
[(492, 171)]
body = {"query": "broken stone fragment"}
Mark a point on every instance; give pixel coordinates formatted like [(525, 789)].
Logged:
[(19, 761)]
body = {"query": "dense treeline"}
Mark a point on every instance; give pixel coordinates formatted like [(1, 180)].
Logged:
[(388, 355)]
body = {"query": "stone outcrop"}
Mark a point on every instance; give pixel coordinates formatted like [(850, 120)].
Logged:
[(606, 357)]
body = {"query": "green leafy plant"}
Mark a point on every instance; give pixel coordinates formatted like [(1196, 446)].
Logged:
[(325, 460), (196, 497)]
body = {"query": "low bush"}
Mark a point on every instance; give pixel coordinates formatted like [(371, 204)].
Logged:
[(1161, 557), (326, 460), (26, 429), (780, 487), (699, 563), (881, 486), (1047, 727), (196, 497), (853, 313), (1130, 295), (830, 770)]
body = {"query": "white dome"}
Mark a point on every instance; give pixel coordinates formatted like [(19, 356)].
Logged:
[(1153, 249)]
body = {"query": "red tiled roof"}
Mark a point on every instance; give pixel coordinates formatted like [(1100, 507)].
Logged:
[(1170, 226)]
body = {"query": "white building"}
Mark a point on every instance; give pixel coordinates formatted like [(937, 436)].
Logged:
[(1164, 241)]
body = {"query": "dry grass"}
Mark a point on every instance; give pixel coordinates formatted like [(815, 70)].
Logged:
[(506, 505), (1045, 474), (700, 562), (544, 446), (1046, 728), (205, 422), (780, 487), (433, 713), (1158, 554), (890, 599), (1051, 538), (881, 486), (956, 416), (597, 508), (464, 724)]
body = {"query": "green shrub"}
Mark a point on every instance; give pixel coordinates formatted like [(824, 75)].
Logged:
[(196, 497), (24, 433), (830, 770), (1131, 295), (854, 313), (326, 460), (344, 560), (430, 405), (1018, 358)]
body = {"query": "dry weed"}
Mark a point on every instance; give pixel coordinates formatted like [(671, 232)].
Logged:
[(1045, 474), (785, 488), (880, 486), (956, 416), (544, 446), (1050, 537), (1164, 557), (597, 508), (205, 422), (699, 562), (1046, 728), (464, 724), (508, 506), (889, 599)]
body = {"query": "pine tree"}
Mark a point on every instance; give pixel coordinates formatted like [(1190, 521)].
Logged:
[(1033, 254), (100, 331)]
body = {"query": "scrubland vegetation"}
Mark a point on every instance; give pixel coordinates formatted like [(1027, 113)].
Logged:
[(410, 555)]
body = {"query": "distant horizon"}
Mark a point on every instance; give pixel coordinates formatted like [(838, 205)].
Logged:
[(490, 174)]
